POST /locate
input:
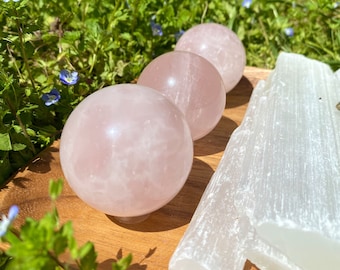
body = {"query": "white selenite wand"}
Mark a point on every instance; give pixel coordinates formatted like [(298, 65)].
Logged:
[(275, 196)]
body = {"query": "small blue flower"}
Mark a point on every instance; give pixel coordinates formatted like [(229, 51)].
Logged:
[(246, 3), (289, 31), (51, 97), (155, 27), (336, 5), (68, 78), (7, 221), (6, 1)]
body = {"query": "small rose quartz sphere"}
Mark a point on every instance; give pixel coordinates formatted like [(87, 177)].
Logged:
[(220, 46), (193, 84), (126, 150)]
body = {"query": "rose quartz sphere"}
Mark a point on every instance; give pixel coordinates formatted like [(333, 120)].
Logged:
[(220, 46), (193, 84), (126, 150)]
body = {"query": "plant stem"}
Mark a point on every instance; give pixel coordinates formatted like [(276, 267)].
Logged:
[(14, 62), (21, 124), (22, 46), (59, 263), (206, 5), (266, 38)]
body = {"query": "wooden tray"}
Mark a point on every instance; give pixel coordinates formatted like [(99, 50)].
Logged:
[(153, 241)]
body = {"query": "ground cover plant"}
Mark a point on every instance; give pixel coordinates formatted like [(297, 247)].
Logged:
[(47, 244), (55, 53)]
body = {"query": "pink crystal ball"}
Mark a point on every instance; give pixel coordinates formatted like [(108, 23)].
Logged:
[(221, 46), (126, 150), (193, 84)]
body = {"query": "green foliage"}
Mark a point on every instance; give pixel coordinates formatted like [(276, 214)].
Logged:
[(55, 189), (316, 31), (109, 42), (40, 244), (123, 263)]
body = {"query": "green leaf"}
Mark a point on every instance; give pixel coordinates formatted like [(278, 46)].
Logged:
[(5, 142), (6, 169), (18, 146), (88, 257), (28, 92), (31, 132), (126, 36), (60, 244), (67, 231), (4, 259), (55, 188), (123, 263), (72, 245), (120, 68), (71, 37)]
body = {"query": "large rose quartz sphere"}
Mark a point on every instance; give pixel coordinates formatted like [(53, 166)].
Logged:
[(126, 150), (220, 46), (193, 84)]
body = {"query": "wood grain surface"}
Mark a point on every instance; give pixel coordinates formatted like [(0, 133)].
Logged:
[(153, 241)]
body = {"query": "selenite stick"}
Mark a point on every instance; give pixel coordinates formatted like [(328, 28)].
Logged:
[(275, 196)]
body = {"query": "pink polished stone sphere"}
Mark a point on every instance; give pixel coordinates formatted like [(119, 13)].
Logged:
[(126, 150), (193, 84), (220, 46)]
